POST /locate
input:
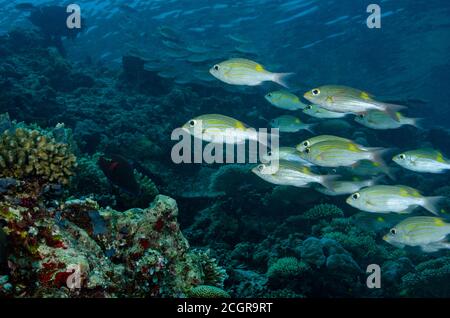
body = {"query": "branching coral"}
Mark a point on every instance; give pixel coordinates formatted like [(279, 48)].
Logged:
[(429, 279), (29, 153)]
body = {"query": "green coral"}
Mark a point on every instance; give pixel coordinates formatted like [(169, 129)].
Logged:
[(27, 153), (287, 267), (323, 211), (206, 291), (428, 280)]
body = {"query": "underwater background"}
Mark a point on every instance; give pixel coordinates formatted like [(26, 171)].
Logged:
[(92, 204)]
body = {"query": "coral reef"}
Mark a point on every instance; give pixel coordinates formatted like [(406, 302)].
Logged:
[(428, 279), (273, 241), (136, 253), (27, 153), (287, 268), (323, 211)]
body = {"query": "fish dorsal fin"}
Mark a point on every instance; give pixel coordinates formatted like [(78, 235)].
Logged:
[(240, 125), (365, 95), (259, 67), (352, 147), (439, 222), (440, 157)]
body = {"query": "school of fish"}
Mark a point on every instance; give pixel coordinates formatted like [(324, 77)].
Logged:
[(304, 164)]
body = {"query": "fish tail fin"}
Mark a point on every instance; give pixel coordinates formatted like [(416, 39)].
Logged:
[(327, 180), (432, 204), (281, 78), (416, 122), (310, 128), (392, 110), (377, 158), (374, 181)]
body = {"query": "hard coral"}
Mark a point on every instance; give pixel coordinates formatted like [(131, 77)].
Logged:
[(428, 280), (323, 211), (27, 153), (205, 291), (287, 267)]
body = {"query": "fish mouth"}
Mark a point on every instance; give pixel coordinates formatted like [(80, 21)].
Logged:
[(212, 72), (385, 238), (185, 129), (348, 200)]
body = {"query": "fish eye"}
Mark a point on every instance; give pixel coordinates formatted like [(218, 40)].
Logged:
[(216, 67), (306, 143), (309, 107), (269, 95), (315, 91), (393, 231), (356, 196), (402, 157), (307, 150), (260, 167), (192, 123), (269, 153)]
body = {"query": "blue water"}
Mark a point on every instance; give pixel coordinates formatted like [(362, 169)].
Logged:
[(249, 224)]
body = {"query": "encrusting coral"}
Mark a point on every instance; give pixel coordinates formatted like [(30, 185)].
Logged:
[(28, 153)]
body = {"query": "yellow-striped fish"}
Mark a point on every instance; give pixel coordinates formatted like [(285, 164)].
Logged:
[(338, 153), (344, 99), (376, 119), (219, 129), (314, 140), (284, 100), (423, 160), (345, 187), (427, 232), (245, 72), (291, 173), (392, 198)]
